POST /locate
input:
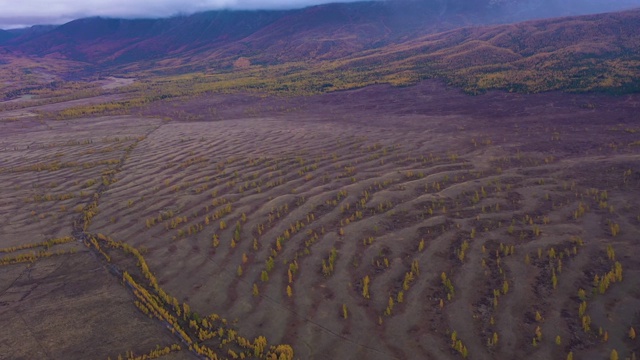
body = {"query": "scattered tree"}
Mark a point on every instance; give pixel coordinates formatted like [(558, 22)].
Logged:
[(614, 355)]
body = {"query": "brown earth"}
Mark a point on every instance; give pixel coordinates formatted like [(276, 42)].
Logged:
[(388, 177)]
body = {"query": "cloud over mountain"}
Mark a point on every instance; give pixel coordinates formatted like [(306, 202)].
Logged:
[(23, 13), (29, 12)]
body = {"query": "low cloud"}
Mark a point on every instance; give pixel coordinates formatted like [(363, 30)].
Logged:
[(23, 13), (30, 12)]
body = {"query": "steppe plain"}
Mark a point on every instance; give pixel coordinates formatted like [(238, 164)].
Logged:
[(378, 223)]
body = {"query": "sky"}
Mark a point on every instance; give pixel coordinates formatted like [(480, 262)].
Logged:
[(22, 13)]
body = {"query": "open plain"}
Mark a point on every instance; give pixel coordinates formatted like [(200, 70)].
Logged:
[(377, 223)]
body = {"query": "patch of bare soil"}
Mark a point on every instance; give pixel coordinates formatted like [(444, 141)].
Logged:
[(32, 110), (112, 82), (70, 307)]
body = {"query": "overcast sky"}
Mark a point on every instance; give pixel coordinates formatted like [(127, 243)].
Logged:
[(21, 13)]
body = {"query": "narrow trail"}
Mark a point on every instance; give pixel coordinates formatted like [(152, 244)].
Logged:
[(81, 223)]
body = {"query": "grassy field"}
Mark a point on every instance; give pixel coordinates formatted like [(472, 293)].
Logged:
[(378, 223)]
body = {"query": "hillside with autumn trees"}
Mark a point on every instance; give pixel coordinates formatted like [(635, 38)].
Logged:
[(338, 46)]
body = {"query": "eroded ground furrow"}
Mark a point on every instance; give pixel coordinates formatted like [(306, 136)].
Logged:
[(421, 237)]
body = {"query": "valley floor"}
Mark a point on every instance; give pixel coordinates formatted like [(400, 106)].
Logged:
[(378, 223)]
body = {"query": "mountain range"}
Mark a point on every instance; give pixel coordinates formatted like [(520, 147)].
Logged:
[(473, 44), (319, 32)]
